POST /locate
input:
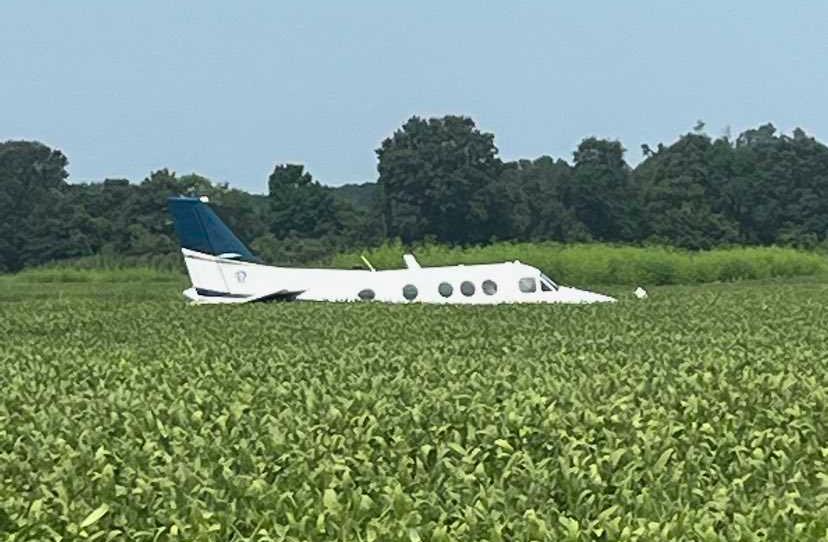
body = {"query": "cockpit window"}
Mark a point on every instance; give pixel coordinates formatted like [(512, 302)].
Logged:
[(547, 284), (527, 285)]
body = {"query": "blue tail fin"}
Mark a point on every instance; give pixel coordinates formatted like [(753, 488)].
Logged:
[(200, 229)]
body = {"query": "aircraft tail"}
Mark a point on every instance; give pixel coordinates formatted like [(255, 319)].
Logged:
[(211, 251), (200, 229)]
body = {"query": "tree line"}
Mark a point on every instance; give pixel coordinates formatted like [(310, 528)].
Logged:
[(441, 180)]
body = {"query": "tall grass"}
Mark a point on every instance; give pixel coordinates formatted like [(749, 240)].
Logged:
[(607, 264), (570, 264), (107, 268), (172, 262), (122, 274)]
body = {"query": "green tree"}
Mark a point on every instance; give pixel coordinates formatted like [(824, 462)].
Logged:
[(362, 197), (682, 187), (437, 179), (780, 193), (300, 206), (601, 193), (32, 192), (441, 179), (541, 213), (132, 219)]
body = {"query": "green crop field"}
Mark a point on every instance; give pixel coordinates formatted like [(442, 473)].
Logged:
[(698, 414)]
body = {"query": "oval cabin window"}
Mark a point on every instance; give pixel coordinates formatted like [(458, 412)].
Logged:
[(467, 288), (489, 287), (410, 292), (366, 295), (445, 289)]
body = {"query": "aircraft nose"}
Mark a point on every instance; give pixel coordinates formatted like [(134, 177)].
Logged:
[(601, 298), (585, 296)]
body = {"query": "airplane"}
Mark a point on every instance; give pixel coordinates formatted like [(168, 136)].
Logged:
[(223, 270)]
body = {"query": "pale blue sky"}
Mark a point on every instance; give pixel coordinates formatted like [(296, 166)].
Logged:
[(228, 89)]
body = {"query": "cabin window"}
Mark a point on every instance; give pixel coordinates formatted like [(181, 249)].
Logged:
[(366, 295), (410, 292), (528, 285), (467, 288), (445, 289), (489, 287)]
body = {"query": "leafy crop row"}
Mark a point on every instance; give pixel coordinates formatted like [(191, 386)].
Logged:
[(698, 414)]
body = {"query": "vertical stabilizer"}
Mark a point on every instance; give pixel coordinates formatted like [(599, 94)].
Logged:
[(207, 244), (200, 229)]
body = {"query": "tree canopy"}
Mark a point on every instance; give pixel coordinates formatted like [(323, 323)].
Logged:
[(436, 179), (441, 179)]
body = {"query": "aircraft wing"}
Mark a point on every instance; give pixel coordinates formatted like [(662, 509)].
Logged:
[(281, 295)]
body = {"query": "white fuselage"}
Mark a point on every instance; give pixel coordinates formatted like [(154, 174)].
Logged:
[(226, 280)]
